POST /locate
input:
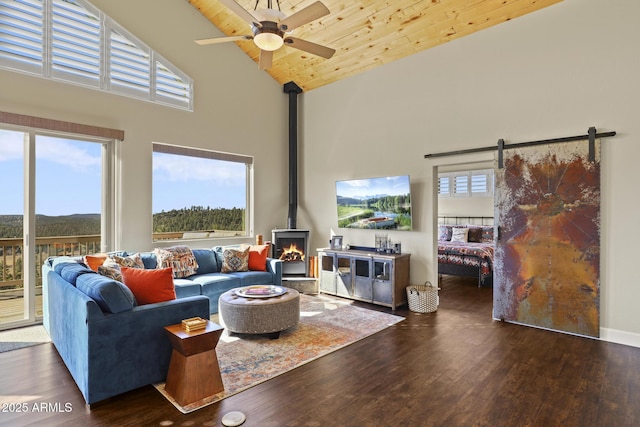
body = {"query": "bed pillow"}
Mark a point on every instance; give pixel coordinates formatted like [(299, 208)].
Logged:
[(487, 235), (460, 235), (444, 232), (475, 233), (149, 286)]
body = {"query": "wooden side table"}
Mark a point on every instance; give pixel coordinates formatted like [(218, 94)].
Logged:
[(194, 372)]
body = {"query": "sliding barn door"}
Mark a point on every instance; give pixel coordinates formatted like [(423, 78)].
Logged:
[(547, 258)]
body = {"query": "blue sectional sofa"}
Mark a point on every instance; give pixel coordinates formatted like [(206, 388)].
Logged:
[(109, 343)]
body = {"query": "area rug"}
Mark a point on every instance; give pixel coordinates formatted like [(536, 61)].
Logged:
[(23, 337), (326, 325)]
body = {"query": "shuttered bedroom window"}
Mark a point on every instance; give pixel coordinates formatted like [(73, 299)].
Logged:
[(469, 183)]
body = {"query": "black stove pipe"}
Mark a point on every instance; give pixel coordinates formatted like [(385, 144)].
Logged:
[(293, 90)]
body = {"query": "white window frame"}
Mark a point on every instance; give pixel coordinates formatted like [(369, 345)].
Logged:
[(215, 155), (461, 183), (31, 28), (107, 214)]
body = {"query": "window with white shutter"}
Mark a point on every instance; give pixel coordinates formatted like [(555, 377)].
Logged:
[(21, 35), (470, 183), (74, 42), (461, 185)]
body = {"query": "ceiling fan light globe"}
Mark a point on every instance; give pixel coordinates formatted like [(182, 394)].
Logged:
[(268, 41)]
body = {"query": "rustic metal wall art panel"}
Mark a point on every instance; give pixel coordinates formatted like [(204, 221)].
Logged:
[(547, 260)]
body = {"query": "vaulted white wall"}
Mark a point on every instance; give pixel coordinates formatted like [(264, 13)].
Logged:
[(230, 92), (550, 74)]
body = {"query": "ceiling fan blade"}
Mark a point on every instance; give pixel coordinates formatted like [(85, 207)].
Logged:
[(266, 58), (304, 16), (222, 39), (307, 46), (241, 12)]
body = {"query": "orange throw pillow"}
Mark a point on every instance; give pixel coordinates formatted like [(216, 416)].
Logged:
[(94, 261), (149, 286), (258, 257)]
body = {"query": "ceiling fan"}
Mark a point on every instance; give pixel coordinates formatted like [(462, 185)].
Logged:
[(270, 29)]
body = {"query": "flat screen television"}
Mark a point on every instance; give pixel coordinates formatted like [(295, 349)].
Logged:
[(375, 203)]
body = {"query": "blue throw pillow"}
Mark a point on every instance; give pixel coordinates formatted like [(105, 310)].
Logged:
[(111, 295), (58, 262), (70, 271), (149, 260), (207, 261)]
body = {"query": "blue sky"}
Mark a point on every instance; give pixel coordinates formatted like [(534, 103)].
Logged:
[(183, 181), (68, 178), (391, 186)]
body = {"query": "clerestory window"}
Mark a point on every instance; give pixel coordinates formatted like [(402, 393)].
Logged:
[(74, 42)]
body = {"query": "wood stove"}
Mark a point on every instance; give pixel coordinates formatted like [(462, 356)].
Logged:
[(291, 246)]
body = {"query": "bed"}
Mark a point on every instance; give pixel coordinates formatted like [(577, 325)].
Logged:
[(466, 249)]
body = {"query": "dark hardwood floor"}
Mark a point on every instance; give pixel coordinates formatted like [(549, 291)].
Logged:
[(454, 367)]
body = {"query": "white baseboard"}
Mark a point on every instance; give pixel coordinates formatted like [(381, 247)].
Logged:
[(620, 337)]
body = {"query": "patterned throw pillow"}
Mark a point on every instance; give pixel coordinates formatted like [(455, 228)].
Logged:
[(444, 232), (460, 235), (235, 260), (131, 261), (179, 258), (487, 235), (475, 233), (110, 272)]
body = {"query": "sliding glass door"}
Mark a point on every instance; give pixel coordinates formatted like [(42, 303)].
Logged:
[(12, 290), (56, 202)]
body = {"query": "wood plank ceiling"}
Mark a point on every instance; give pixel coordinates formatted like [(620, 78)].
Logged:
[(364, 33)]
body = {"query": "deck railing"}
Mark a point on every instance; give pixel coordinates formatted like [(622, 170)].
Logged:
[(11, 253), (11, 256)]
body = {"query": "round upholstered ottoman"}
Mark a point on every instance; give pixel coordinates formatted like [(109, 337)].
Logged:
[(246, 315)]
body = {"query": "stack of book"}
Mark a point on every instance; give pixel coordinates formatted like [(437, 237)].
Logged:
[(258, 290), (194, 324)]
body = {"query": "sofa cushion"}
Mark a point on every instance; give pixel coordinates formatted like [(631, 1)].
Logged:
[(179, 258), (258, 257), (207, 261), (250, 278), (216, 279), (186, 288), (235, 260), (70, 271), (111, 295), (150, 286)]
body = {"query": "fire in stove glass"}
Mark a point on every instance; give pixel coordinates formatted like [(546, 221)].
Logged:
[(292, 253)]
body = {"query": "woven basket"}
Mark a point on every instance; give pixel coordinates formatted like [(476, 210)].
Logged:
[(423, 298)]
